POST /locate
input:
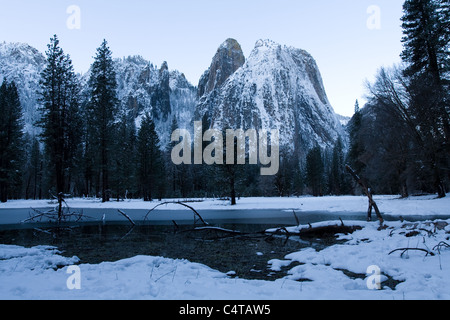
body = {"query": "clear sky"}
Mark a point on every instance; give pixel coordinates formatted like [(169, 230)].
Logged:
[(350, 39)]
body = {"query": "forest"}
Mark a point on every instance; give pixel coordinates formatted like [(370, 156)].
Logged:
[(398, 142)]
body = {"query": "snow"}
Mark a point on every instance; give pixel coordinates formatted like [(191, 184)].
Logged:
[(424, 277), (23, 64), (388, 205), (43, 272), (278, 87), (137, 79)]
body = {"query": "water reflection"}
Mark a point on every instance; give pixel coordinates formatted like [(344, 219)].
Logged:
[(94, 243)]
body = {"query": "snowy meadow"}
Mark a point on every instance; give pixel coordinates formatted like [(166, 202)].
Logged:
[(408, 259)]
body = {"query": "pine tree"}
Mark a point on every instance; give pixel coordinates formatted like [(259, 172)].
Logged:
[(179, 177), (356, 145), (283, 180), (34, 170), (101, 111), (174, 176), (336, 177), (426, 53), (124, 164), (150, 161), (60, 121), (425, 37), (298, 183), (10, 138), (315, 171)]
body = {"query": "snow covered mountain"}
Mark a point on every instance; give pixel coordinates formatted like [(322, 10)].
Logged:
[(166, 95), (228, 58), (23, 64), (277, 87), (142, 87)]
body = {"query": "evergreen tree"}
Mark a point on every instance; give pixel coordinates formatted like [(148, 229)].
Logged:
[(315, 171), (298, 184), (226, 177), (151, 171), (10, 138), (174, 172), (336, 177), (179, 177), (426, 37), (283, 180), (124, 164), (60, 121), (101, 112), (356, 145), (426, 53), (33, 184)]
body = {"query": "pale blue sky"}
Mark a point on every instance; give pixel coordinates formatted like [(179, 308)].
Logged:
[(187, 33)]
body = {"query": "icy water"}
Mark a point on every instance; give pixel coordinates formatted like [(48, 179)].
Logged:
[(247, 256)]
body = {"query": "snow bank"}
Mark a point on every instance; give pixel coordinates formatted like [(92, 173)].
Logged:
[(340, 271), (391, 205), (33, 273), (422, 276)]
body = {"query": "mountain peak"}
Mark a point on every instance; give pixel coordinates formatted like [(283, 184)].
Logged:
[(230, 44), (21, 63), (228, 58), (21, 53), (278, 87), (266, 43)]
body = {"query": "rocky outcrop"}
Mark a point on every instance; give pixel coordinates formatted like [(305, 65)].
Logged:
[(164, 94), (228, 58), (278, 87), (23, 64)]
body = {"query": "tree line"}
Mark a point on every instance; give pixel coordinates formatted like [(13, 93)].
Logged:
[(86, 146), (89, 147), (400, 140)]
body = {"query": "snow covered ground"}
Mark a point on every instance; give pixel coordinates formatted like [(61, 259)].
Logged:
[(341, 271), (391, 205)]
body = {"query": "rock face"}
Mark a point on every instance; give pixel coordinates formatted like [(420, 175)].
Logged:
[(229, 57), (142, 87), (23, 64), (278, 87), (166, 95)]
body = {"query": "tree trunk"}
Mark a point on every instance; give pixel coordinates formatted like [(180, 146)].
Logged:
[(105, 172), (233, 192), (368, 193), (405, 193), (3, 192)]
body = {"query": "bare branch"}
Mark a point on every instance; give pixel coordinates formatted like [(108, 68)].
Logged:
[(126, 216), (415, 249), (181, 204)]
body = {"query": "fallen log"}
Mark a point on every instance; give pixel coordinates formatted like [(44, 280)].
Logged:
[(327, 231), (218, 229), (218, 233)]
